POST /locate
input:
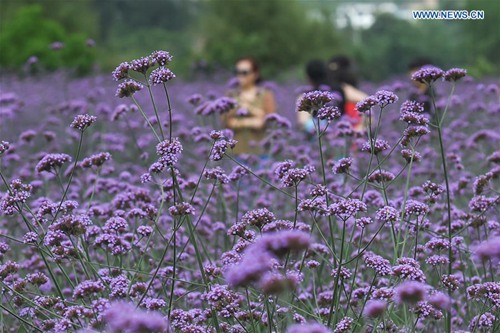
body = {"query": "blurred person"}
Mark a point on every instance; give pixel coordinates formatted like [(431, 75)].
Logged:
[(255, 102), (420, 92), (341, 76)]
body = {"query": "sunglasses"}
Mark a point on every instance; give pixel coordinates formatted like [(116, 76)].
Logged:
[(243, 72)]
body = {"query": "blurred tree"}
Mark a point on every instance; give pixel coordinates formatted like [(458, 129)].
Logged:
[(129, 29), (481, 37), (392, 43), (75, 16), (28, 33), (277, 33), (128, 15)]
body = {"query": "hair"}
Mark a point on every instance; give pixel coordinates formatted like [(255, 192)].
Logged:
[(255, 67), (316, 72), (417, 63), (341, 70)]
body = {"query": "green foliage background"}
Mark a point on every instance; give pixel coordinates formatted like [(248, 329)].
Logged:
[(281, 34)]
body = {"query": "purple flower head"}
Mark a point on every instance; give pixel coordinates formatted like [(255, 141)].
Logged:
[(483, 322), (219, 106), (52, 161), (181, 209), (280, 121), (410, 292), (366, 104), (343, 165), (308, 328), (275, 283), (220, 147), (379, 145), (280, 243), (32, 60), (121, 71), (454, 74), (329, 113), (427, 74), (4, 146), (128, 88), (250, 269), (160, 76), (379, 264), (385, 97), (169, 151), (411, 106), (124, 317), (440, 300), (141, 65), (346, 208), (87, 288), (56, 46), (344, 325), (195, 99), (96, 160), (374, 308), (162, 58), (258, 217), (83, 121), (489, 250), (313, 101)]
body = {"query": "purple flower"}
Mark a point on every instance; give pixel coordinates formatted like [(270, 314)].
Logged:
[(169, 151), (343, 165), (83, 121), (195, 99), (181, 209), (489, 250), (141, 65), (96, 160), (308, 328), (4, 146), (56, 46), (128, 88), (379, 264), (161, 75), (379, 145), (51, 162), (344, 325), (280, 243), (454, 74), (427, 74), (124, 317), (410, 292), (121, 71), (258, 217), (440, 301), (250, 270), (87, 288), (483, 322), (162, 58), (313, 101), (385, 97), (219, 106), (329, 113), (366, 104), (374, 308)]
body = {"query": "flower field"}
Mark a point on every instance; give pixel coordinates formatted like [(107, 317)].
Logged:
[(123, 209)]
